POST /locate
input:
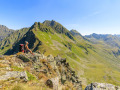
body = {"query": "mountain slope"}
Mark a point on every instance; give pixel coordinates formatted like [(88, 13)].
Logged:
[(4, 31), (92, 62)]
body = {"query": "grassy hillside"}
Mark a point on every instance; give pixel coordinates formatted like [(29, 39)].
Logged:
[(92, 62)]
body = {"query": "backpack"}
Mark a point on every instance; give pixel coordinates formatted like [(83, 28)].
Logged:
[(21, 48)]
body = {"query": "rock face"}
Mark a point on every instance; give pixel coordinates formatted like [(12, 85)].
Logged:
[(53, 83), (101, 86), (66, 73), (14, 74)]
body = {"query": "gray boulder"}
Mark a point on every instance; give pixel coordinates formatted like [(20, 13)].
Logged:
[(1, 57), (53, 83), (24, 58), (14, 74), (50, 58)]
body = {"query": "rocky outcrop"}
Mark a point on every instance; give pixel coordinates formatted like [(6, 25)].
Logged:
[(24, 58), (1, 57), (53, 83), (102, 86), (14, 74), (57, 68), (66, 73)]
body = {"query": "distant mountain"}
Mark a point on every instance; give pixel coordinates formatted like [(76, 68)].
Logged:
[(4, 32), (112, 40), (95, 58), (117, 35)]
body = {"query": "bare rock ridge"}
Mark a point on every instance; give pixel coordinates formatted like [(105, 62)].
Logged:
[(102, 86), (54, 72), (14, 74)]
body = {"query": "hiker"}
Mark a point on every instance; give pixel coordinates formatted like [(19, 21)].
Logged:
[(27, 48)]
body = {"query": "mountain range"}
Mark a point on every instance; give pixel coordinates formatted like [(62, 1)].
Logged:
[(95, 57), (4, 32)]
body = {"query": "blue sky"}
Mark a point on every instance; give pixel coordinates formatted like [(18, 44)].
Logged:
[(86, 16)]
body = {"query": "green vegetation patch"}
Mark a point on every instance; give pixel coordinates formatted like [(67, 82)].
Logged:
[(30, 76), (15, 68)]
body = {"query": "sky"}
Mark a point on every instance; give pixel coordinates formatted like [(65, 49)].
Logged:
[(85, 16)]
